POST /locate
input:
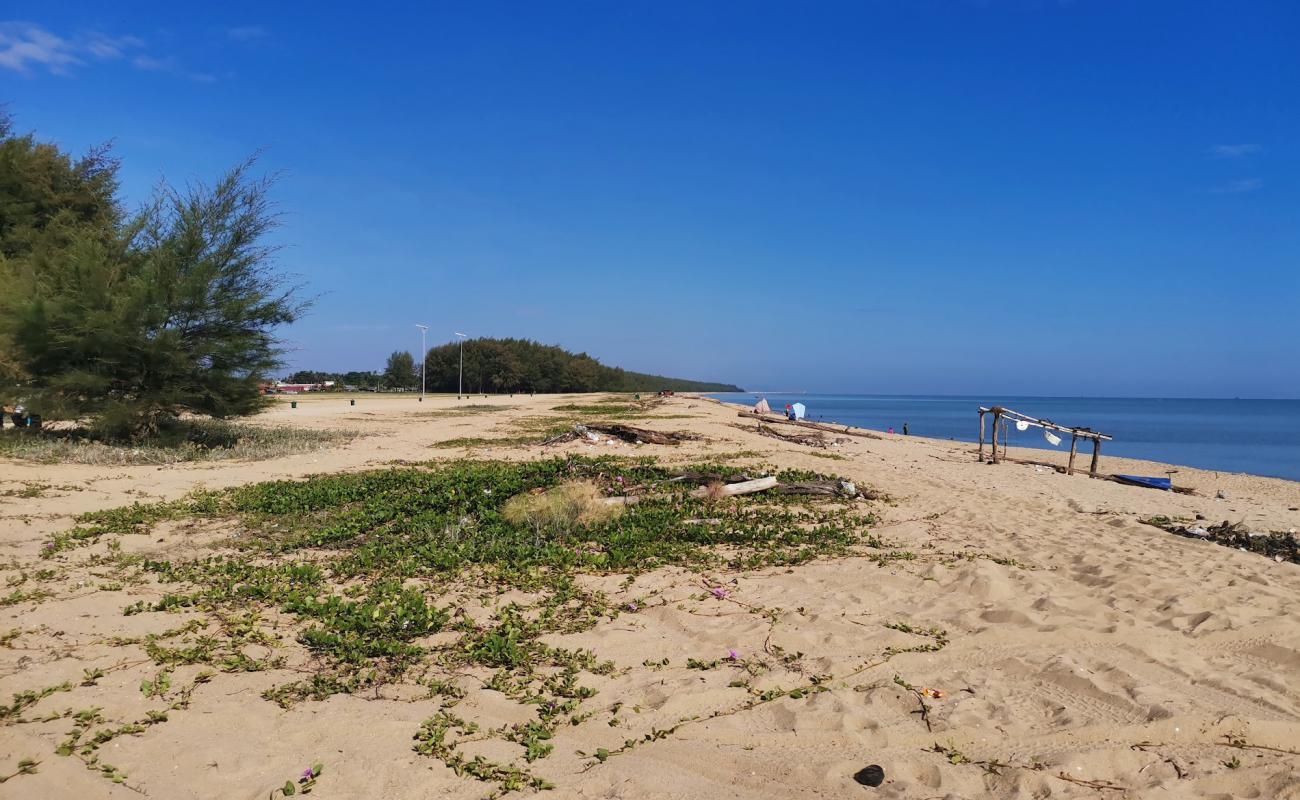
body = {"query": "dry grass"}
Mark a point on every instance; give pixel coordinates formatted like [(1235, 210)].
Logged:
[(463, 411), (199, 440), (561, 510)]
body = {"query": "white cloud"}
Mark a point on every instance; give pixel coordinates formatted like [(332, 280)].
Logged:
[(108, 47), (1235, 150), (24, 45)]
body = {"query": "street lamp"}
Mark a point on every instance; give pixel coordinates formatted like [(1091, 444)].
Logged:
[(460, 381), (424, 356)]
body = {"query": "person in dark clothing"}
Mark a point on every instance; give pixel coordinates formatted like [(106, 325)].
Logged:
[(904, 428)]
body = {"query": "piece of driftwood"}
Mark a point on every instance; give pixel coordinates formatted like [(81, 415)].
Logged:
[(734, 489), (643, 435), (816, 439), (830, 488), (803, 423), (626, 433)]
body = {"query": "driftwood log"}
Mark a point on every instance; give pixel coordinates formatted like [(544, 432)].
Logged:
[(733, 489), (637, 435), (803, 423), (815, 439), (626, 433), (830, 488)]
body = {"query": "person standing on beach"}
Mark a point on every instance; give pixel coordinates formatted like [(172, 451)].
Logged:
[(904, 428)]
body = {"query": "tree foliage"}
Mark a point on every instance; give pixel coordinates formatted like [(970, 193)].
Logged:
[(133, 321), (520, 365), (400, 371)]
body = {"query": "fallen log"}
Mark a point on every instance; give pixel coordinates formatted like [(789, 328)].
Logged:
[(626, 433), (733, 489), (811, 440), (821, 426), (643, 435), (831, 488)]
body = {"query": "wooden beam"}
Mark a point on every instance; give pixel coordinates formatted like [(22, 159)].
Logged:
[(997, 417), (1096, 455), (1083, 433), (981, 451), (1074, 448)]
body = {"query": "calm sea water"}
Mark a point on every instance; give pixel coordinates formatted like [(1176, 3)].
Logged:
[(1261, 437)]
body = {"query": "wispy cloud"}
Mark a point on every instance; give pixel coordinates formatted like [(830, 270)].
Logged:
[(1240, 187), (1235, 150), (110, 47), (151, 64), (247, 33), (24, 47), (27, 48)]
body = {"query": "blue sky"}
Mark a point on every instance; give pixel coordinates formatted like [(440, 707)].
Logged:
[(1045, 198)]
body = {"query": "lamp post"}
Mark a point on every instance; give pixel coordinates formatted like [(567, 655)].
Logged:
[(460, 381), (424, 356)]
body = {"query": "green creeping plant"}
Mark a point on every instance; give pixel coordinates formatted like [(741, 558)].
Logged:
[(374, 572)]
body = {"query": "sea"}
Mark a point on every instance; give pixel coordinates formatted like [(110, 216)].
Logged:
[(1260, 437)]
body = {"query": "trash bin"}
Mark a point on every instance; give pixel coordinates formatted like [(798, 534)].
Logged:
[(293, 404), (352, 402)]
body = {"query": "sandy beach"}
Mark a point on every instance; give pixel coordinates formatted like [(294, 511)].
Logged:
[(1083, 653)]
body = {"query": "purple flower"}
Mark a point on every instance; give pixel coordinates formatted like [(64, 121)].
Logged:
[(720, 593), (732, 655), (307, 775), (632, 607)]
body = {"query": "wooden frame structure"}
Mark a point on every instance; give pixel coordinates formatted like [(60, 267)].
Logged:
[(1003, 415)]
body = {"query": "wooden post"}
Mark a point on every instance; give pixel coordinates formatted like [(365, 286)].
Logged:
[(1096, 453), (1074, 448), (997, 417), (981, 453)]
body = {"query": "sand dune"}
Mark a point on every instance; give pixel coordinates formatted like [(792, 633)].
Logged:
[(1087, 654)]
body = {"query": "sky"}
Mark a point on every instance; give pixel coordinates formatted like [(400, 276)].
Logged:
[(1008, 196)]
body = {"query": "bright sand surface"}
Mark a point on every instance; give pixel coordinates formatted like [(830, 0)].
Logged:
[(1086, 649)]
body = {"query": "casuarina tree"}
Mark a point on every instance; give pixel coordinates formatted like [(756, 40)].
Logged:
[(132, 322)]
